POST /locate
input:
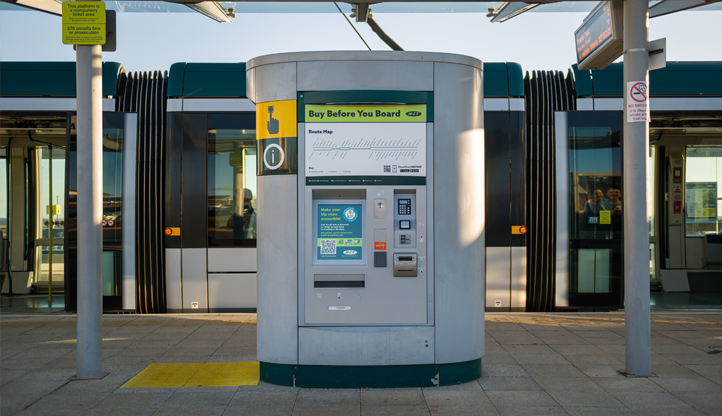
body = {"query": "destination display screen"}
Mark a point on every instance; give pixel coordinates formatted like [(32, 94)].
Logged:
[(593, 34)]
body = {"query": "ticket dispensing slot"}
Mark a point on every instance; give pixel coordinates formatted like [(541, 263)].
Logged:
[(405, 265), (339, 280)]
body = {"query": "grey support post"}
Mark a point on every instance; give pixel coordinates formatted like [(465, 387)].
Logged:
[(635, 151), (90, 210)]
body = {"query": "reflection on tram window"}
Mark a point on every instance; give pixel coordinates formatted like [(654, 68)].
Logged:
[(595, 163), (703, 203), (112, 184), (596, 197), (112, 196), (232, 192)]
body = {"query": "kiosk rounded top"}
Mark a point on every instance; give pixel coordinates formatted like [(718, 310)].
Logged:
[(363, 56)]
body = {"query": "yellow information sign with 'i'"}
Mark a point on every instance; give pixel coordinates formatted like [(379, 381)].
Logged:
[(84, 22)]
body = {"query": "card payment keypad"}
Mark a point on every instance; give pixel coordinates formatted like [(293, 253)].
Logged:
[(404, 207)]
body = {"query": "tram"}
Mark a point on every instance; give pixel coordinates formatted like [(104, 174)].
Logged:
[(180, 201)]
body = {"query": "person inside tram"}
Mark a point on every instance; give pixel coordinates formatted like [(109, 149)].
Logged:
[(249, 214), (613, 202), (243, 218), (594, 205), (582, 201), (247, 207)]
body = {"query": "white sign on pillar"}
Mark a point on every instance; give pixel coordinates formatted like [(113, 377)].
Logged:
[(637, 102)]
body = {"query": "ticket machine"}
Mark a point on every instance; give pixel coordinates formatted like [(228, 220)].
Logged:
[(365, 213), (371, 249)]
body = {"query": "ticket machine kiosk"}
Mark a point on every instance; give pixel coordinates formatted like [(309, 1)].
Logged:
[(371, 247)]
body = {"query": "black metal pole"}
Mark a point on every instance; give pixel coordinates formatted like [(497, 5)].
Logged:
[(7, 224)]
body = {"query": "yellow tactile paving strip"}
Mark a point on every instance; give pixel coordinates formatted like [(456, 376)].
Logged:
[(196, 375)]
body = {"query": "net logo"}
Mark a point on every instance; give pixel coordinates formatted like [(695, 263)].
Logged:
[(350, 252), (413, 113)]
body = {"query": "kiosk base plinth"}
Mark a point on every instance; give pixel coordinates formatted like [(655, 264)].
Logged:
[(383, 376)]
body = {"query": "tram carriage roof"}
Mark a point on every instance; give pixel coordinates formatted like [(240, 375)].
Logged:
[(692, 79), (228, 80), (50, 79)]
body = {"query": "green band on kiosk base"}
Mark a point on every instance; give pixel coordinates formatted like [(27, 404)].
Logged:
[(386, 376)]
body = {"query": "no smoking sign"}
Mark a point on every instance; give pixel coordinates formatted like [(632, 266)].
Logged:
[(637, 102)]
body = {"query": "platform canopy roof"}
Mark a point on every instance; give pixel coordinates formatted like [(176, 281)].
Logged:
[(497, 11), (510, 9), (212, 9)]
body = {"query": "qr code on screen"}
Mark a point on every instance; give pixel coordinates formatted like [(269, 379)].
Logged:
[(387, 168), (328, 246)]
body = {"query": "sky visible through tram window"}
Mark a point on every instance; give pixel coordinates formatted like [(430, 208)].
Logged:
[(538, 41)]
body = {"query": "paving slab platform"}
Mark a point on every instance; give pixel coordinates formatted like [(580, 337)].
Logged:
[(535, 364)]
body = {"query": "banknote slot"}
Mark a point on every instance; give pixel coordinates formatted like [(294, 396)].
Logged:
[(339, 284)]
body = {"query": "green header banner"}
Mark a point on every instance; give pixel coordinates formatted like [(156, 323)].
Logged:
[(405, 113), (365, 180)]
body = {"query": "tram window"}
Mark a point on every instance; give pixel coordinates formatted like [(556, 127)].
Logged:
[(596, 202), (232, 192), (703, 176), (596, 187), (58, 179), (57, 251), (113, 134)]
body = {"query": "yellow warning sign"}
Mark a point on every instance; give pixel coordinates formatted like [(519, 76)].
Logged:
[(84, 22), (605, 217), (276, 119)]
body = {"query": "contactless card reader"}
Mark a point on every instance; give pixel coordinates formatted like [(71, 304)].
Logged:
[(405, 264), (405, 220)]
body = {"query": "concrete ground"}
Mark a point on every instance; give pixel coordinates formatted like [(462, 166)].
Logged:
[(535, 364)]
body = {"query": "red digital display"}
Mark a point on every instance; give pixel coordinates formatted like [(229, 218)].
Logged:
[(594, 33)]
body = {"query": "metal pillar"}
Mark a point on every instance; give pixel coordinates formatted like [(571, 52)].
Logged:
[(635, 149), (8, 188), (51, 212), (90, 210)]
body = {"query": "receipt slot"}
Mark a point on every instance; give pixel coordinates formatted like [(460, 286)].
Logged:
[(369, 265)]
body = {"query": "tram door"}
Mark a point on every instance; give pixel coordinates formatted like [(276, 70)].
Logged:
[(212, 204), (38, 218), (590, 201), (32, 180), (686, 232)]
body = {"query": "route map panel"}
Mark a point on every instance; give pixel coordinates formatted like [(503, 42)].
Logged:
[(377, 149)]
